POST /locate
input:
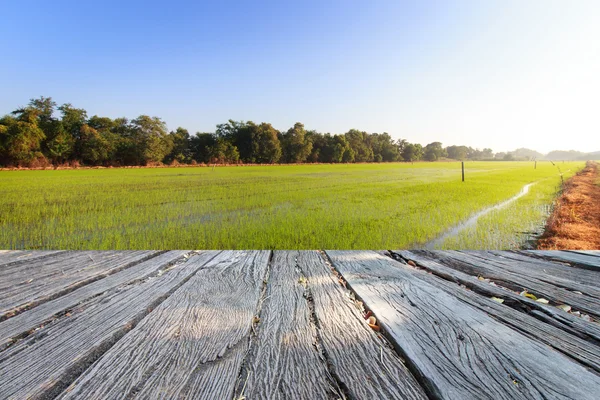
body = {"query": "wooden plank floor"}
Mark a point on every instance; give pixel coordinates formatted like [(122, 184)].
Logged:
[(299, 325)]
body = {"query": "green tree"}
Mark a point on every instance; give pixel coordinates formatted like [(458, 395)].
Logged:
[(266, 148), (101, 138), (433, 151), (22, 137), (487, 154), (98, 146), (72, 119), (457, 152), (201, 146), (509, 157), (181, 151), (412, 152), (295, 144), (59, 144), (43, 108), (360, 144), (384, 148), (240, 135), (222, 151), (149, 134)]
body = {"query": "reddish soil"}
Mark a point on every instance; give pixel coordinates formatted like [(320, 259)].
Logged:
[(575, 221)]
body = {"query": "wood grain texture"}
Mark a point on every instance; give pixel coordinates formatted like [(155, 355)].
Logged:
[(588, 259), (519, 318), (520, 276), (13, 257), (360, 359), (43, 364), (458, 351), (44, 313), (285, 360), (192, 345), (567, 322), (544, 269), (29, 284)]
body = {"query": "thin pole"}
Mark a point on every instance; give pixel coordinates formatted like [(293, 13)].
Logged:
[(463, 170)]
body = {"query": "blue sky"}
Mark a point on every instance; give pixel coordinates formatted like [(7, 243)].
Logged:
[(499, 74)]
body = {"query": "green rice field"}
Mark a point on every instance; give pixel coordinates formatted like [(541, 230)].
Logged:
[(343, 206)]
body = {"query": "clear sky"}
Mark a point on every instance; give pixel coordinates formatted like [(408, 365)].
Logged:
[(495, 73)]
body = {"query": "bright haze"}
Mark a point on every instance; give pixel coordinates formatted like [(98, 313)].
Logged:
[(498, 74)]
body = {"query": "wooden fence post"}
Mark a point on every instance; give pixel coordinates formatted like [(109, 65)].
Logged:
[(463, 170)]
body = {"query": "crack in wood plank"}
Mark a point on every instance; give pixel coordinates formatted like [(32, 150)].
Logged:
[(495, 362), (192, 345), (44, 283), (15, 258), (518, 318), (42, 366), (21, 326)]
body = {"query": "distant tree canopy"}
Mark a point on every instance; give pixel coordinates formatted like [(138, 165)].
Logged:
[(44, 134)]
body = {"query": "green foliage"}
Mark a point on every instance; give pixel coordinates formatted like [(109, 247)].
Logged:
[(457, 152), (181, 152), (412, 152), (349, 206), (21, 138), (433, 151), (296, 145), (360, 143), (266, 148), (60, 145), (73, 136), (384, 148), (150, 137)]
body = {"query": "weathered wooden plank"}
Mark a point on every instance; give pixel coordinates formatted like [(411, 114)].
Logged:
[(37, 267), (33, 283), (519, 317), (43, 364), (553, 273), (516, 277), (457, 350), (192, 345), (19, 325), (589, 259), (360, 359), (285, 350), (544, 269), (586, 252), (12, 257), (570, 323)]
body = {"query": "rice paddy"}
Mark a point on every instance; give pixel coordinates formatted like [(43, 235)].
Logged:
[(344, 206)]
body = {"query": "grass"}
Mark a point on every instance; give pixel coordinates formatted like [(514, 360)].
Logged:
[(512, 227), (379, 206)]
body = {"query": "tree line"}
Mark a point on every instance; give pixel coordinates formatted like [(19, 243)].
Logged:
[(34, 136)]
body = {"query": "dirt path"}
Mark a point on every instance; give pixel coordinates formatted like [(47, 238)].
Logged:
[(455, 230), (575, 222)]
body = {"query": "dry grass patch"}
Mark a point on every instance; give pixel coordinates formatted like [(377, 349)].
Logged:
[(575, 222)]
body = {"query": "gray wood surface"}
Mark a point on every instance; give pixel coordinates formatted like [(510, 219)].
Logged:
[(44, 363), (521, 276), (514, 312), (522, 262), (285, 360), (589, 259), (15, 257), (288, 324), (192, 345), (457, 350), (361, 360), (22, 324), (27, 285)]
